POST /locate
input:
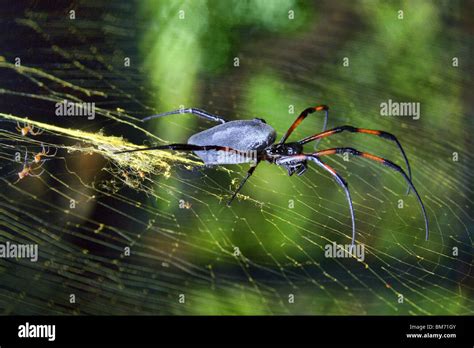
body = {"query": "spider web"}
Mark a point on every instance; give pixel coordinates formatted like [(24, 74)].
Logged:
[(90, 204)]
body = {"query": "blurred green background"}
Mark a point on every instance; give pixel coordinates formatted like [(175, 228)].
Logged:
[(272, 59)]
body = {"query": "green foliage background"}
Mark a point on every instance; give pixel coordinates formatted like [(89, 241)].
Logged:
[(283, 62)]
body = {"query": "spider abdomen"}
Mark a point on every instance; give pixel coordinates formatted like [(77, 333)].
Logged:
[(249, 136)]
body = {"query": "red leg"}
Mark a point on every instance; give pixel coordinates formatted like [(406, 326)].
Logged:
[(390, 164), (302, 116), (351, 129)]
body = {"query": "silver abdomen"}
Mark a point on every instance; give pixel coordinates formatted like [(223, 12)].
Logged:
[(244, 135)]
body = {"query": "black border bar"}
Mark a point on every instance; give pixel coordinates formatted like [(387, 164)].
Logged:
[(311, 330)]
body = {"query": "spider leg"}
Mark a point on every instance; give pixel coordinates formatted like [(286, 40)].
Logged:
[(390, 164), (344, 186), (249, 174), (187, 147), (302, 116), (37, 132), (40, 164), (352, 129), (55, 152), (46, 151), (36, 175), (197, 112), (341, 182)]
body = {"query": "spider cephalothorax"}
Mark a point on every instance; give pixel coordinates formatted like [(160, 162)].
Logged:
[(275, 152), (288, 149), (253, 141)]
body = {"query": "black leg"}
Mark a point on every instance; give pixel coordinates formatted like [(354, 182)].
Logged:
[(335, 175), (190, 147), (187, 147), (197, 112), (351, 129), (302, 116), (341, 150), (249, 174)]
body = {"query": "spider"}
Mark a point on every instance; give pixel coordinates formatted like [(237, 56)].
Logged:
[(27, 128), (28, 169), (45, 152), (241, 138)]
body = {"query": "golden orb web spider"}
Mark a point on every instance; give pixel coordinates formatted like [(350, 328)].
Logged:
[(28, 129), (253, 141), (28, 169), (45, 152)]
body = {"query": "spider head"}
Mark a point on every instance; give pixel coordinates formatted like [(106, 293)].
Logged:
[(289, 149)]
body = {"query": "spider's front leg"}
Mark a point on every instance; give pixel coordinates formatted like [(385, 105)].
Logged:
[(302, 158), (299, 168), (346, 128)]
